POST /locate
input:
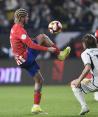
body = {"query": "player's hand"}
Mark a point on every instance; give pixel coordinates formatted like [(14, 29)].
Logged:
[(76, 82), (51, 49)]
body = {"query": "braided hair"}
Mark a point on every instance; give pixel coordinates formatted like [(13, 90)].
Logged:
[(19, 13)]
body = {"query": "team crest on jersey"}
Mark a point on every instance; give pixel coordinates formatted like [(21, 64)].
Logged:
[(23, 36)]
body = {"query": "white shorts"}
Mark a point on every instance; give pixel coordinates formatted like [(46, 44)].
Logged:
[(87, 87)]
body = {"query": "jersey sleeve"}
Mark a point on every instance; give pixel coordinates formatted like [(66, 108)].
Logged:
[(23, 36), (85, 58), (96, 35)]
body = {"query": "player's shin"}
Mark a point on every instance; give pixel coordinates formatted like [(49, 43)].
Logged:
[(79, 95), (37, 93), (37, 97)]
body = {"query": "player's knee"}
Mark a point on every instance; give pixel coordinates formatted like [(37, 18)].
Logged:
[(72, 84), (41, 36), (41, 81), (41, 39), (39, 78)]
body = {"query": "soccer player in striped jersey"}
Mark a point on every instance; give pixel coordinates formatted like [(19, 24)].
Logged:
[(90, 60), (25, 51)]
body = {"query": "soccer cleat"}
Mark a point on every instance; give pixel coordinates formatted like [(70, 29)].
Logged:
[(63, 54), (84, 110), (36, 109)]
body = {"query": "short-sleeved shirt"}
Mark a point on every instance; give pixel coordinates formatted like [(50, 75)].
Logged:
[(90, 56)]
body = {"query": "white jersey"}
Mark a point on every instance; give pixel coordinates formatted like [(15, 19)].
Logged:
[(90, 56)]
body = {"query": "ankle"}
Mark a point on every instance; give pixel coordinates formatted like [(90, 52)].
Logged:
[(84, 106), (36, 105)]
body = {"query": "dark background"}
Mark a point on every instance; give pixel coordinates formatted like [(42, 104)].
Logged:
[(78, 17)]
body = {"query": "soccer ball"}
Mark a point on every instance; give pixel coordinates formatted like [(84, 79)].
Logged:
[(55, 27)]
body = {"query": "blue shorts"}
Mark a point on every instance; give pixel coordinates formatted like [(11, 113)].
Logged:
[(30, 64)]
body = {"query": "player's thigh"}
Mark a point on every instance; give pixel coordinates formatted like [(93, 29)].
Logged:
[(88, 87), (31, 67)]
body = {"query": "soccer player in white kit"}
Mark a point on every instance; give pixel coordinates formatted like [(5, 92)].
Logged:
[(96, 93), (90, 60)]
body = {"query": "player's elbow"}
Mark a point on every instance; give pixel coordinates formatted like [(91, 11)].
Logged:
[(87, 67)]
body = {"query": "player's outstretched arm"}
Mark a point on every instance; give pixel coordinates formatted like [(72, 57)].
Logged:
[(27, 40)]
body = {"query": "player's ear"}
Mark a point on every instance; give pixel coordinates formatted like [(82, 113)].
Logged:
[(22, 19)]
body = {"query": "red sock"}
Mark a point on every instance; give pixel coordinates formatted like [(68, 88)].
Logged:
[(57, 49), (37, 97)]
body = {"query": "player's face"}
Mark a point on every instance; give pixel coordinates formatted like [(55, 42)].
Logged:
[(26, 19), (84, 46)]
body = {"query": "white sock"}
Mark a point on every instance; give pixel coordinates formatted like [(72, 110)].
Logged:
[(79, 96), (36, 105), (96, 96)]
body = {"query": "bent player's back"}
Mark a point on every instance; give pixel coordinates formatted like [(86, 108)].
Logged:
[(93, 55)]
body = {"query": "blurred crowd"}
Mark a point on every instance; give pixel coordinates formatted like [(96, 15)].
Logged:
[(76, 15)]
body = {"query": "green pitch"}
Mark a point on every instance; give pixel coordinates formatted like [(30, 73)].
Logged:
[(58, 101)]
